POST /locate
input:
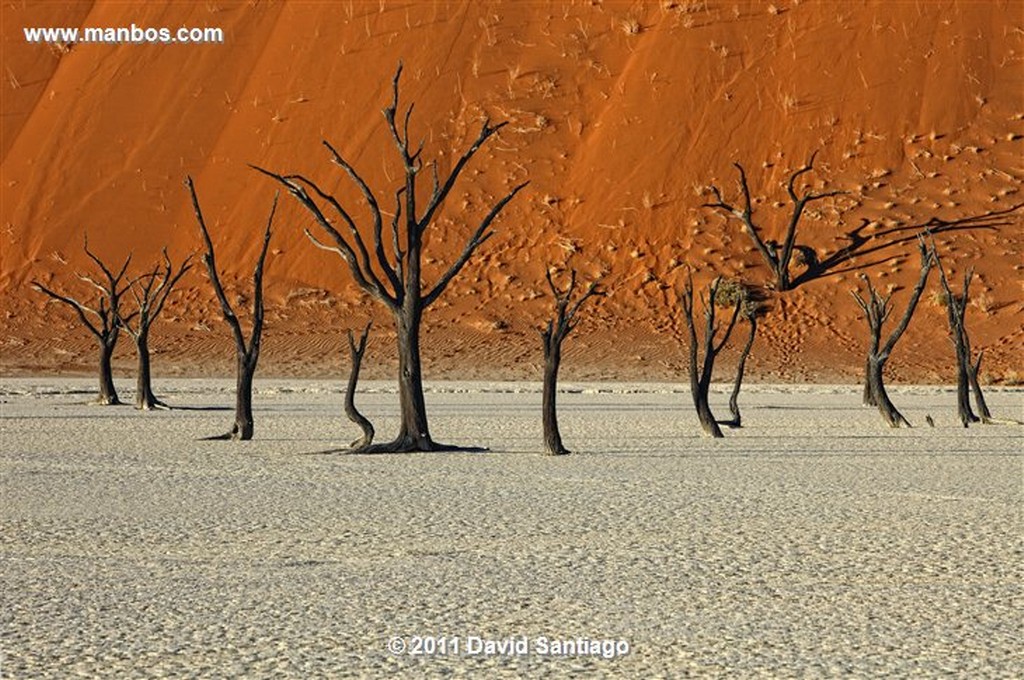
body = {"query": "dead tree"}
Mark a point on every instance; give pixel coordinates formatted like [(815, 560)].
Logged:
[(150, 292), (107, 313), (778, 260), (876, 310), (395, 279), (356, 351), (956, 311), (967, 368), (700, 372), (552, 336), (248, 351), (752, 307)]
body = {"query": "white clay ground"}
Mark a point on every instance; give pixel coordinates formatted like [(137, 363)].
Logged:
[(813, 542)]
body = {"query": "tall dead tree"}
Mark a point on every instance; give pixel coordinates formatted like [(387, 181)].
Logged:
[(967, 368), (395, 279), (150, 292), (752, 307), (108, 318), (777, 257), (701, 371), (356, 351), (556, 331), (248, 351), (876, 310)]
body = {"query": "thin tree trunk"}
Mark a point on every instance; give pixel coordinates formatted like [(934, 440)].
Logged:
[(108, 393), (144, 398), (979, 398), (734, 407), (963, 395), (700, 376), (954, 315), (552, 437), (868, 395), (243, 429), (356, 356)]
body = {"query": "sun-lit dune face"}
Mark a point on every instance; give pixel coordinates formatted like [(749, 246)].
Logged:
[(620, 115)]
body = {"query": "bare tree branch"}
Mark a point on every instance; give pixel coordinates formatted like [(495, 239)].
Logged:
[(365, 280), (80, 309), (476, 240), (777, 260)]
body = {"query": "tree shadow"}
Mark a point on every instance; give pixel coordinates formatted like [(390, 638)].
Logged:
[(199, 408), (396, 448), (861, 245)]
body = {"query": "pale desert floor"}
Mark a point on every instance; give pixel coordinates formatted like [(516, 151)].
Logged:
[(813, 542)]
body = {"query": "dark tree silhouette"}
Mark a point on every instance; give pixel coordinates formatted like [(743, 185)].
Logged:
[(356, 351), (107, 312), (956, 311), (248, 352), (700, 372), (967, 367), (150, 292), (557, 330), (752, 306), (876, 310), (395, 280), (776, 256)]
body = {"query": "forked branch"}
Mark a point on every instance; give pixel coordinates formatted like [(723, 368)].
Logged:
[(248, 352), (777, 257)]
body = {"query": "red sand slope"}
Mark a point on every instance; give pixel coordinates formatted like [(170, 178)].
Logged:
[(620, 116)]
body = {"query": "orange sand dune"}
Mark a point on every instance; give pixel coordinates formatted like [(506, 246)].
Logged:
[(620, 115)]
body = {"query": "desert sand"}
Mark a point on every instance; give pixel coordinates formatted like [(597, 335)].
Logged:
[(619, 114), (814, 542)]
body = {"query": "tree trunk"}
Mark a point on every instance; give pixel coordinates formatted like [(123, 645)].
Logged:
[(963, 395), (734, 407), (954, 314), (414, 434), (700, 387), (782, 277), (979, 398), (144, 398), (881, 397), (356, 355), (108, 393), (552, 438), (243, 428), (869, 394)]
